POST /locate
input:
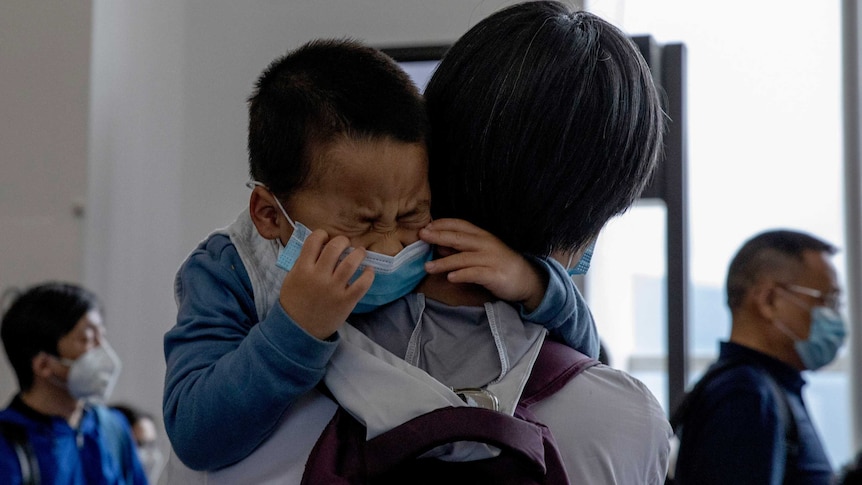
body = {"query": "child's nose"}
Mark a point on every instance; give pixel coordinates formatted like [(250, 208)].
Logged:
[(387, 244)]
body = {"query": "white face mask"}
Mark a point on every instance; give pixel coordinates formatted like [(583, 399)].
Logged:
[(92, 376)]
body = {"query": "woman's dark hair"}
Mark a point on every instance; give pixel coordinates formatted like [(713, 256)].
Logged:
[(37, 319), (545, 123)]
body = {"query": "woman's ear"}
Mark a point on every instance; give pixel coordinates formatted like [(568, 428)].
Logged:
[(264, 213)]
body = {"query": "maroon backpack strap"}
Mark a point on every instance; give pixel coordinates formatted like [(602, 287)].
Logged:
[(342, 456), (528, 450), (338, 456), (555, 366), (449, 425)]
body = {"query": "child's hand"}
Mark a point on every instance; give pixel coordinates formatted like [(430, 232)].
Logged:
[(473, 255), (317, 293)]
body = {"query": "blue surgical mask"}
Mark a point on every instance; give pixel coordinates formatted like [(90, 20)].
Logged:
[(825, 338), (394, 276), (583, 264)]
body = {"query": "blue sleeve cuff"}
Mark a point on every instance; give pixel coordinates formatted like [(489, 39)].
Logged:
[(293, 342), (564, 311), (556, 301)]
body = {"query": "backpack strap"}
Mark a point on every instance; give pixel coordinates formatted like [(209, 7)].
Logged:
[(448, 425), (117, 440), (555, 366), (528, 452), (785, 413), (16, 435), (342, 456), (682, 410), (791, 432)]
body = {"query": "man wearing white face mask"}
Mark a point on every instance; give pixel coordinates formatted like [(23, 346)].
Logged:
[(746, 422), (57, 429)]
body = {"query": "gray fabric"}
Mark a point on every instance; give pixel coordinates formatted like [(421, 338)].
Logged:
[(383, 391), (258, 255), (460, 346), (628, 436), (392, 325), (628, 432)]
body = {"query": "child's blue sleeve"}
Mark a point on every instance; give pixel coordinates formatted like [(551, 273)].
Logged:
[(229, 377), (564, 312)]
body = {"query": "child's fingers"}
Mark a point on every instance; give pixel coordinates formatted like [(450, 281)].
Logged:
[(331, 252), (348, 266), (458, 225), (312, 247), (460, 241), (444, 251), (360, 286), (457, 261), (500, 283), (477, 275)]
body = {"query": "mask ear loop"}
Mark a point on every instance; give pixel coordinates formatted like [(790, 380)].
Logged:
[(571, 257), (780, 325), (62, 360), (792, 297), (254, 183), (786, 331)]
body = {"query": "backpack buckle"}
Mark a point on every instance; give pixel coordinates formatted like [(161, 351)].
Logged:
[(478, 398)]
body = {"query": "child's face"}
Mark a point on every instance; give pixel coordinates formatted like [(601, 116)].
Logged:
[(375, 192)]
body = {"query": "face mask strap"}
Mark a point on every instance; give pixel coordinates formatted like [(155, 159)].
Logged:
[(65, 363), (796, 301), (70, 362), (571, 257), (61, 360), (789, 294), (254, 183), (786, 331)]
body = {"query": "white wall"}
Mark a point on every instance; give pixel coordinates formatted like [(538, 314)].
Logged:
[(44, 95)]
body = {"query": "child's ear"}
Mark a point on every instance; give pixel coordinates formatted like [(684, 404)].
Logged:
[(264, 213)]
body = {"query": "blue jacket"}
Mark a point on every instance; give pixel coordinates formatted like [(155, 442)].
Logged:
[(68, 456), (230, 377), (734, 434)]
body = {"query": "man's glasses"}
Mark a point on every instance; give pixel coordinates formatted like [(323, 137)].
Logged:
[(829, 300)]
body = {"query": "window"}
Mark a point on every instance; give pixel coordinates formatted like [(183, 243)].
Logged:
[(764, 147)]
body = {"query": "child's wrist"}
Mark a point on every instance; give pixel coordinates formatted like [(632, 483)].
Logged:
[(531, 304), (538, 285)]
